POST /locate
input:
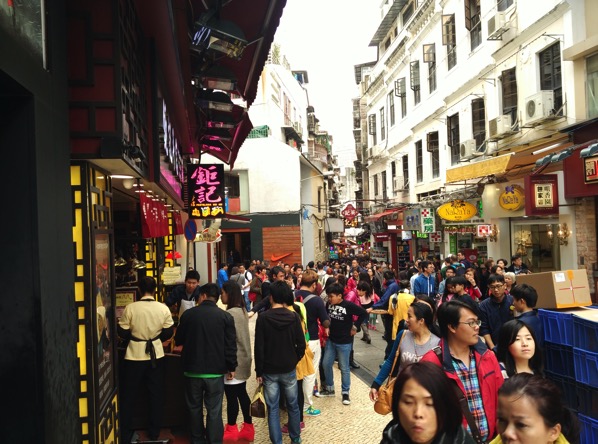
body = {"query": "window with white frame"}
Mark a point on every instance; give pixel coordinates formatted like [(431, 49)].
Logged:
[(452, 128), (391, 108), (419, 161), (550, 74), (433, 147), (478, 121), (401, 93), (508, 80), (382, 124), (592, 85), (405, 163), (372, 128), (449, 39), (415, 81), (473, 22)]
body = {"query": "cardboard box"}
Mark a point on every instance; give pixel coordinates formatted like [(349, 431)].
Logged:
[(559, 289)]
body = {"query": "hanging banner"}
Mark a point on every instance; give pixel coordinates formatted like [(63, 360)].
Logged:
[(457, 210), (206, 191), (178, 223), (428, 224)]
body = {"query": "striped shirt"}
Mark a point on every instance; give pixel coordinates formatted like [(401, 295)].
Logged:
[(469, 378)]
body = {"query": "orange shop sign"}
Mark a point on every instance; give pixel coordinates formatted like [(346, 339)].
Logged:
[(457, 210), (512, 198)]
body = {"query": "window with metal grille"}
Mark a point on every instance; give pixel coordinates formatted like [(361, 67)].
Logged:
[(405, 163), (382, 125), (550, 74), (452, 127), (449, 39), (508, 81), (415, 81), (419, 161), (391, 108), (478, 121), (473, 22), (433, 147)]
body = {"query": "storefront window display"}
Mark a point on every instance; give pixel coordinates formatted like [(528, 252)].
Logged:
[(531, 240)]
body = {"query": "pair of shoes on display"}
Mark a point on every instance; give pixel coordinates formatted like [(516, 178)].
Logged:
[(310, 411), (232, 433), (346, 399), (325, 393), (285, 428)]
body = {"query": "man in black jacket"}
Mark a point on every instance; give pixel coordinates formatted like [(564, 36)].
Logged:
[(279, 346), (185, 295), (207, 334)]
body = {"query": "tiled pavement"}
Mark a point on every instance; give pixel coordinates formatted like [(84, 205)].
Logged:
[(338, 424)]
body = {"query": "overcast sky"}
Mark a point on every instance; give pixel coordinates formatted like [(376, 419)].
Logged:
[(327, 38)]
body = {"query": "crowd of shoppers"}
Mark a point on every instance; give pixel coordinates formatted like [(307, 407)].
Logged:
[(455, 331)]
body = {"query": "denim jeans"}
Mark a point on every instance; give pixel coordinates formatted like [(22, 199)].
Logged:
[(209, 391), (247, 301), (273, 384), (343, 351)]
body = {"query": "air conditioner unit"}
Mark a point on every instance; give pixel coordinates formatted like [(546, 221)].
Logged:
[(500, 127), (497, 26), (538, 108), (397, 183), (467, 149)]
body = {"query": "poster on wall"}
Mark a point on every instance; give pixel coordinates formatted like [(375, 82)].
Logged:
[(206, 191), (103, 333)]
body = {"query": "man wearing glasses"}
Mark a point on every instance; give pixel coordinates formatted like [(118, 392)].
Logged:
[(467, 361), (496, 310)]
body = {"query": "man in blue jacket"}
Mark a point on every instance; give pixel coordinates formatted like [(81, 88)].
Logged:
[(222, 275), (425, 283), (392, 287)]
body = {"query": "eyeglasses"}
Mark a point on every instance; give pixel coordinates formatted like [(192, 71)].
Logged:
[(496, 287), (473, 324)]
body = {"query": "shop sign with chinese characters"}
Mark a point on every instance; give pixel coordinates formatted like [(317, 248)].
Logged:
[(542, 195), (206, 191), (457, 210), (349, 213), (428, 224), (591, 169), (512, 198)]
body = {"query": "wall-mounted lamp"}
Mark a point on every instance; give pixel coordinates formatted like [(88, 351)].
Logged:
[(562, 234), (493, 234), (217, 35), (214, 100), (217, 77), (135, 153)]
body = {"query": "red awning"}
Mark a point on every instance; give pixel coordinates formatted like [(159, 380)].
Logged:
[(378, 216)]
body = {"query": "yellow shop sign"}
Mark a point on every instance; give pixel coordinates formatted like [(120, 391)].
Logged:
[(457, 210), (512, 198)]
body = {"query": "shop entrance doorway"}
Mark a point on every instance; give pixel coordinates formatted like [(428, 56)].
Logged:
[(530, 239), (235, 247)]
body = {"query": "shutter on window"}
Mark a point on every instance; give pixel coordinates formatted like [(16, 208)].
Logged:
[(415, 75), (400, 87), (467, 15)]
